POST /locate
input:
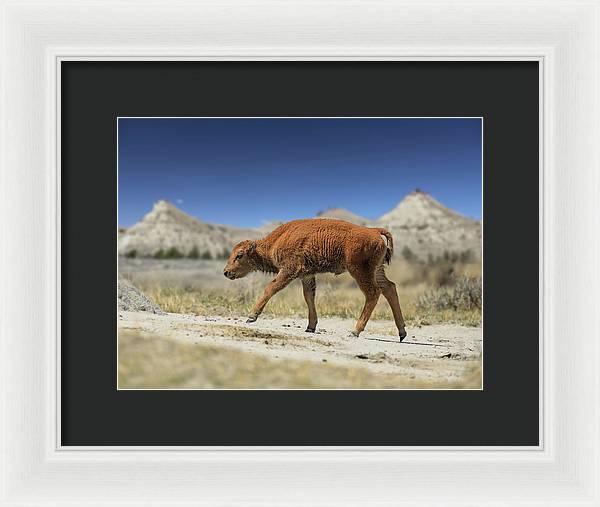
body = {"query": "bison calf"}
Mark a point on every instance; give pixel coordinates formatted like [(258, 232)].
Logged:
[(302, 248)]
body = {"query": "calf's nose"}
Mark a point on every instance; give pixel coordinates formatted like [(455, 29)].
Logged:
[(226, 273)]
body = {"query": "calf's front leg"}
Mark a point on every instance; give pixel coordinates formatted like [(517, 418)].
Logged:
[(272, 288)]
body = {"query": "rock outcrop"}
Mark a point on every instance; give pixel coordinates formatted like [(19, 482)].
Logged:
[(130, 299)]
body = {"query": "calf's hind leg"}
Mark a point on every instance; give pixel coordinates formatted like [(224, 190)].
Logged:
[(309, 287), (365, 277), (388, 288)]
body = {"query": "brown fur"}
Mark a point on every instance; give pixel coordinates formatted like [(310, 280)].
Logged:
[(303, 248)]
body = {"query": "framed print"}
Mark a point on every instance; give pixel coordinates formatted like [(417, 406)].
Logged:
[(249, 263), (217, 340)]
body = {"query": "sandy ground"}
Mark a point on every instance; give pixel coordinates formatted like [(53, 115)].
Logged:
[(433, 352)]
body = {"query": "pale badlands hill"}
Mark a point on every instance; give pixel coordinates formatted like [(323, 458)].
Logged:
[(419, 222), (166, 226), (427, 227), (348, 216)]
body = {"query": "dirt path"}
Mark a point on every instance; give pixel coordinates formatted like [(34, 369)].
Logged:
[(429, 352)]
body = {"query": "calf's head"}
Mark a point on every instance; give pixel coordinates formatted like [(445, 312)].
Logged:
[(240, 262)]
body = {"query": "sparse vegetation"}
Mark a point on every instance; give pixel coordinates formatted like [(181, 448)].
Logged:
[(465, 294), (430, 293), (171, 253), (422, 303), (344, 303), (463, 298), (174, 253)]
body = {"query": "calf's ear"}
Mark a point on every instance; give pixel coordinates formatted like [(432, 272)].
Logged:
[(252, 247)]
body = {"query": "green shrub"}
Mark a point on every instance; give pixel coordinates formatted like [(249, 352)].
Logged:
[(408, 254), (160, 254), (206, 255), (443, 274), (132, 254), (194, 253), (466, 256), (465, 294), (173, 253)]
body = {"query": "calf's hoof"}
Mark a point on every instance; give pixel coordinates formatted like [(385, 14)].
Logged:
[(252, 318), (310, 329), (354, 333), (402, 334)]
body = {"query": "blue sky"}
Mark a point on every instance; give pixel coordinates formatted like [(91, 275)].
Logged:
[(244, 172)]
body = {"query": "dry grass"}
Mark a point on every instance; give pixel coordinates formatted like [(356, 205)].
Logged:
[(339, 298), (176, 287), (152, 361)]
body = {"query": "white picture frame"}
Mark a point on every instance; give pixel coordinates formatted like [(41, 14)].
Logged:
[(563, 36)]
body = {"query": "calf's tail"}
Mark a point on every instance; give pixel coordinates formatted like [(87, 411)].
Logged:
[(390, 244)]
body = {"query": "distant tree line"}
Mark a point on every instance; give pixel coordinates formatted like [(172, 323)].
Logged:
[(175, 253), (463, 257)]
